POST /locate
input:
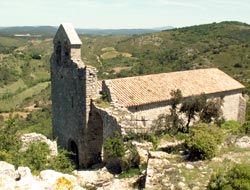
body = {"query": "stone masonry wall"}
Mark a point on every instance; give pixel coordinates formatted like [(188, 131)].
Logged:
[(68, 106), (242, 109), (146, 114), (232, 108)]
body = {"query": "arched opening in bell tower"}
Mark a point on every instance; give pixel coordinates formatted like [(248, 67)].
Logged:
[(58, 52)]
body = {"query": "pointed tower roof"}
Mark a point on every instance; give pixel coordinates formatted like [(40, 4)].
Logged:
[(70, 32)]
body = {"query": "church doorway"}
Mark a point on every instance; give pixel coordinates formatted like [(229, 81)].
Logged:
[(74, 157), (95, 138)]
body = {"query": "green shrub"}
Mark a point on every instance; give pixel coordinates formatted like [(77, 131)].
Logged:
[(10, 142), (201, 145), (1, 119), (237, 178), (211, 129), (131, 172), (113, 146), (131, 158), (35, 157), (233, 126), (61, 162), (153, 139), (246, 128)]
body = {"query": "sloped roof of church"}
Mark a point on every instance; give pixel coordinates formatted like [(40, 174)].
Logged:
[(141, 90), (71, 33)]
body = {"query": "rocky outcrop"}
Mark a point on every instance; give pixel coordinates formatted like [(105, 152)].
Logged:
[(57, 181), (22, 179), (143, 151), (243, 142), (28, 139), (121, 184), (155, 174), (93, 178)]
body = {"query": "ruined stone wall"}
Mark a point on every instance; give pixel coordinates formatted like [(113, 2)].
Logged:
[(233, 108), (103, 123)]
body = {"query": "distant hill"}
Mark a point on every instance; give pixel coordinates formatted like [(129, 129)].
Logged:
[(46, 31), (122, 31), (32, 30)]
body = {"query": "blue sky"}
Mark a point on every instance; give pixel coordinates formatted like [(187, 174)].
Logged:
[(122, 13)]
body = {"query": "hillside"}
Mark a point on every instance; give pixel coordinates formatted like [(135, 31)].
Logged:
[(153, 161), (24, 62)]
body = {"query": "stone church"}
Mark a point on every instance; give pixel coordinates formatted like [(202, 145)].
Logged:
[(80, 122)]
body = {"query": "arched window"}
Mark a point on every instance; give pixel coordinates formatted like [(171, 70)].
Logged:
[(58, 52), (66, 50)]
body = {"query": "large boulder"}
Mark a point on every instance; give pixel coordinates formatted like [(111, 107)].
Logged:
[(93, 178), (22, 179), (8, 170), (7, 182), (53, 180), (28, 139), (119, 184), (27, 180)]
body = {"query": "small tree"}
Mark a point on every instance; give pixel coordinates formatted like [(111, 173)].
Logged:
[(170, 123), (192, 106), (175, 101), (212, 111)]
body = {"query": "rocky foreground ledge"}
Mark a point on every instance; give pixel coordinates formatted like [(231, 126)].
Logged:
[(22, 179), (163, 171)]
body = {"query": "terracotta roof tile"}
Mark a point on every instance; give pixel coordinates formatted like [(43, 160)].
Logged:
[(134, 91)]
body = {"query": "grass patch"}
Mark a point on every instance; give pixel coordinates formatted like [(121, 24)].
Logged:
[(42, 76), (233, 126), (14, 102), (106, 49), (102, 103), (12, 88), (130, 173), (110, 55), (43, 127)]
